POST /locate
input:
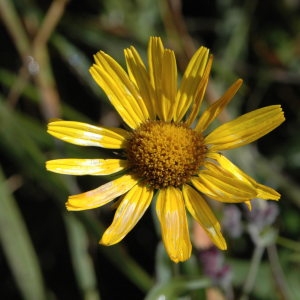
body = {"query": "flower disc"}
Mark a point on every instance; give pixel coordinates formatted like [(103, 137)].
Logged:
[(165, 154)]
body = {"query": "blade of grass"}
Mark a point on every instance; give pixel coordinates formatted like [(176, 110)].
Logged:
[(18, 247), (81, 260)]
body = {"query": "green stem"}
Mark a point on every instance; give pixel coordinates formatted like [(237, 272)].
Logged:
[(277, 271), (252, 274), (289, 244), (14, 27)]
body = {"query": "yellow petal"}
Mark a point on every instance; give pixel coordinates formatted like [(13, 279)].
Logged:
[(129, 212), (121, 92), (249, 205), (217, 107), (246, 128), (155, 53), (223, 188), (155, 58), (169, 85), (139, 76), (266, 192), (236, 173), (200, 93), (263, 192), (75, 166), (101, 195), (189, 87), (201, 212), (172, 216), (84, 134)]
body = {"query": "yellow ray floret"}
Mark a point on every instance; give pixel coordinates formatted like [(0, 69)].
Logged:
[(120, 90), (189, 87), (263, 192), (168, 85), (155, 57), (138, 75), (171, 213), (217, 107), (199, 96), (246, 128), (101, 195), (83, 134), (201, 212), (131, 208), (223, 188), (76, 166)]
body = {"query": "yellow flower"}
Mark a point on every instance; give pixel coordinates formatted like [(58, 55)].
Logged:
[(165, 149)]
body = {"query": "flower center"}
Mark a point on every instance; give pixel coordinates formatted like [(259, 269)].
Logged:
[(165, 154)]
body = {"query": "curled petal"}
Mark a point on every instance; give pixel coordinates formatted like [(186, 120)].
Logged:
[(245, 129), (101, 195), (84, 134), (201, 212), (223, 188), (190, 84), (195, 108), (75, 166), (121, 92), (172, 216), (263, 192), (130, 210), (138, 75)]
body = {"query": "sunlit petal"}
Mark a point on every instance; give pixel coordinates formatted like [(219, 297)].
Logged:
[(121, 92), (84, 134), (190, 83), (263, 192), (217, 107), (172, 216), (196, 104), (246, 128), (201, 212), (138, 75), (155, 58), (129, 212), (216, 169), (101, 195), (75, 166), (223, 188), (169, 85)]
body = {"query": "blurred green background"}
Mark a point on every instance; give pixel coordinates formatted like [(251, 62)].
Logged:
[(47, 48)]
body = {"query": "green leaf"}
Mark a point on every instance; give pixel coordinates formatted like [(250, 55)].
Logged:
[(81, 260)]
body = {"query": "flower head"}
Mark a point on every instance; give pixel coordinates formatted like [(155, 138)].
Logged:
[(161, 152)]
